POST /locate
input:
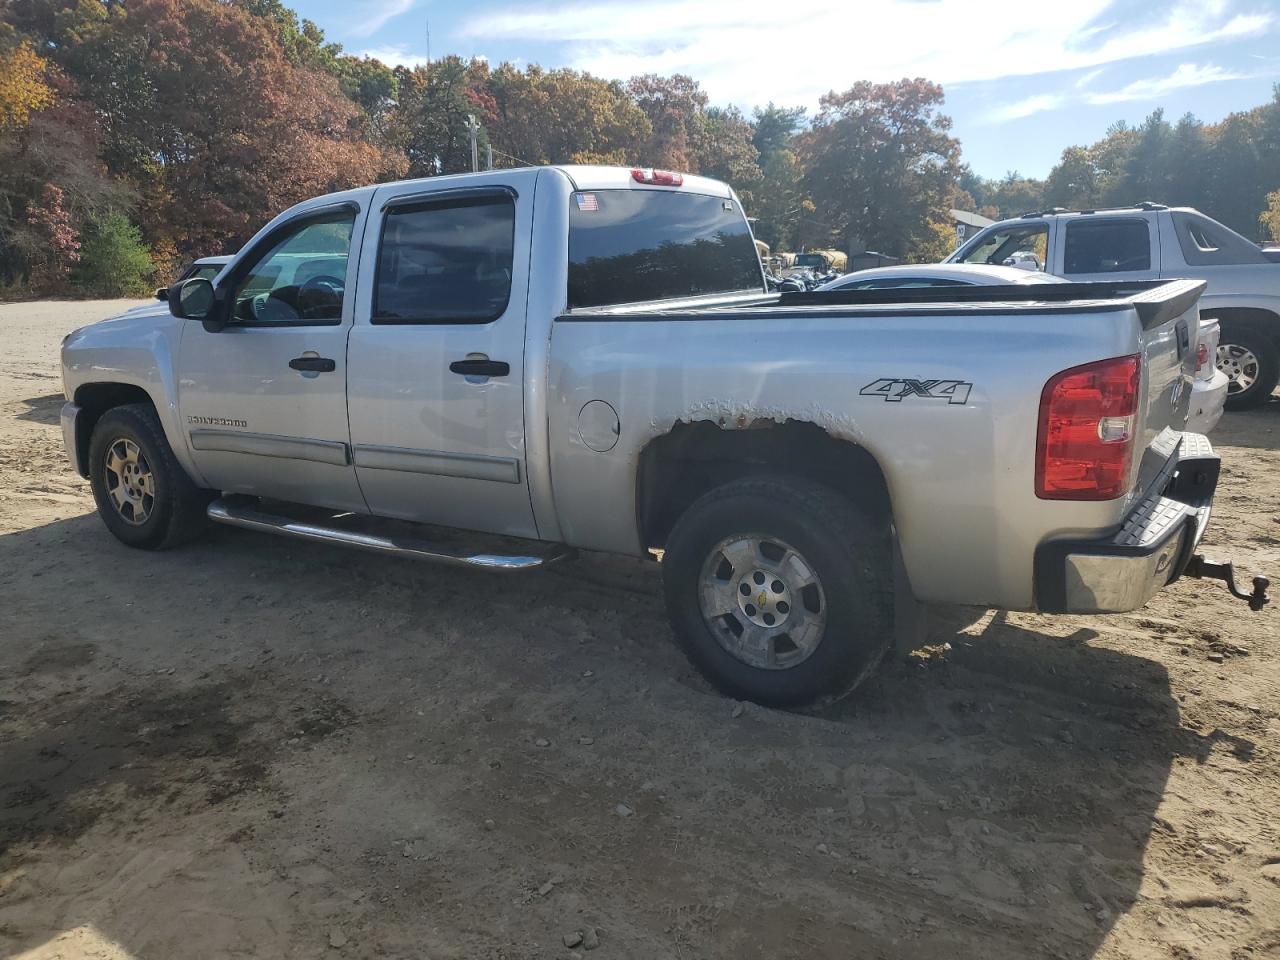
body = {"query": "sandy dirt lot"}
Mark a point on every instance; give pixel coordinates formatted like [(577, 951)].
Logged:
[(258, 748)]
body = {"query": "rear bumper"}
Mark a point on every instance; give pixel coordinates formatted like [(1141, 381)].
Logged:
[(70, 437), (1207, 400), (1150, 550)]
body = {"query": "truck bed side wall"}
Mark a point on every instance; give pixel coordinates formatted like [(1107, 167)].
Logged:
[(960, 475)]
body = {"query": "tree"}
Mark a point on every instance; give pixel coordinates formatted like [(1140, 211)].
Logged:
[(674, 106), (430, 123), (23, 88), (114, 261), (1073, 183), (774, 129), (53, 243), (1016, 194), (1270, 218), (879, 162), (563, 116), (722, 147)]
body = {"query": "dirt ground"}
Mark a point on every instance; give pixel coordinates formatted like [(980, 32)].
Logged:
[(258, 748)]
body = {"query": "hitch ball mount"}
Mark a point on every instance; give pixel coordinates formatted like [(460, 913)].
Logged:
[(1202, 568)]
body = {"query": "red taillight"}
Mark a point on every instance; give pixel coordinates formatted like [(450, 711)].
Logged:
[(1087, 425), (663, 178), (1202, 356)]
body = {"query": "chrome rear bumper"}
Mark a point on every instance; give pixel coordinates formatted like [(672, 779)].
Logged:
[(1149, 551)]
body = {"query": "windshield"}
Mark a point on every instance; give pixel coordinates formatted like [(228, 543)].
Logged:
[(1019, 245), (626, 246)]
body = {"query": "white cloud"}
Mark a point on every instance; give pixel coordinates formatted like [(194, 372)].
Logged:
[(1025, 108), (724, 43), (395, 56), (1151, 88), (1148, 88), (374, 16)]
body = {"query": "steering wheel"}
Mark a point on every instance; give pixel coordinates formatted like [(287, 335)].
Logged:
[(318, 293)]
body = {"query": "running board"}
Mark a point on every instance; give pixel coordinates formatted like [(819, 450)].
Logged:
[(241, 511)]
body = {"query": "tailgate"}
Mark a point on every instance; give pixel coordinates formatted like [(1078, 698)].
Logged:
[(1168, 317)]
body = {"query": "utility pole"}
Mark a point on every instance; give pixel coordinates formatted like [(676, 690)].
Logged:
[(488, 156), (473, 128)]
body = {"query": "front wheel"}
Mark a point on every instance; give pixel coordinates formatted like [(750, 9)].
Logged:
[(779, 590), (144, 496), (1252, 364)]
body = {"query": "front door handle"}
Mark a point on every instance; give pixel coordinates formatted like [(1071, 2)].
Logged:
[(480, 368), (313, 364)]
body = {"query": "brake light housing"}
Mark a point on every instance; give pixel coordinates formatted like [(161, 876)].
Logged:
[(1202, 356), (1087, 430), (661, 178)]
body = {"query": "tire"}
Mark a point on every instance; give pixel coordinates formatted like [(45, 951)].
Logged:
[(1249, 352), (823, 643), (158, 506)]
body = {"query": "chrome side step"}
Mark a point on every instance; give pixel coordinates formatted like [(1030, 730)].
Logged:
[(246, 512)]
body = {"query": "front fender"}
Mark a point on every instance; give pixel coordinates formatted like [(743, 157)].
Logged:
[(132, 351)]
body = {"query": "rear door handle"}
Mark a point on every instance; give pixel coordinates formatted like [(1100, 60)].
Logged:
[(313, 364), (480, 368)]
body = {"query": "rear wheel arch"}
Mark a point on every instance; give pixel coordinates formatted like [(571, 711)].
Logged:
[(693, 458)]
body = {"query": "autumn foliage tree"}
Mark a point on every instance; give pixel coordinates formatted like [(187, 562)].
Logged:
[(879, 160)]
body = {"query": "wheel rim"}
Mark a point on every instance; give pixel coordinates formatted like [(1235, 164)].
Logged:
[(131, 485), (1240, 364), (762, 601)]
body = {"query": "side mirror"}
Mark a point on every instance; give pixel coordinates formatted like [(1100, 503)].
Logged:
[(194, 300), (162, 294)]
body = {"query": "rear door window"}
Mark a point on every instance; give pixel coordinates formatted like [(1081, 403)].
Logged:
[(445, 261), (626, 246), (1107, 246)]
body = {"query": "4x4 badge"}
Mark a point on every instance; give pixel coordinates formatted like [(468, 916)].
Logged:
[(895, 390)]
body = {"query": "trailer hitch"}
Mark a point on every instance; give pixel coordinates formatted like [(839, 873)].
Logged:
[(1200, 567)]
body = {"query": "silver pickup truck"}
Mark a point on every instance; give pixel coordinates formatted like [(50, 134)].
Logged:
[(586, 357)]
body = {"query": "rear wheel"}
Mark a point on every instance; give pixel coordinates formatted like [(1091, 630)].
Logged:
[(779, 590), (144, 496), (1252, 364)]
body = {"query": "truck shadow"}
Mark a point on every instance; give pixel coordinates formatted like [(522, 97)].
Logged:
[(43, 409), (992, 800)]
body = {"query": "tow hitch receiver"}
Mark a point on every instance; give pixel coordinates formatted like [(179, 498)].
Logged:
[(1202, 568)]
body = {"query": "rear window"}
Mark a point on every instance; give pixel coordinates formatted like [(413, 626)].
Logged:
[(627, 246), (1107, 246)]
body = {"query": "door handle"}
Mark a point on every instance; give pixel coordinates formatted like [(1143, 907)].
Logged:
[(480, 368), (313, 364)]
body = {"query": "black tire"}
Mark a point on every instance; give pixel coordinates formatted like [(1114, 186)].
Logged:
[(176, 513), (848, 551), (1264, 349)]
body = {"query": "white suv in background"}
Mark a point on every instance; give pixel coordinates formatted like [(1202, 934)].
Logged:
[(1152, 241)]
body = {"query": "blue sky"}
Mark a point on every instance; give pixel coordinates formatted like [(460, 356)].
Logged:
[(1023, 80)]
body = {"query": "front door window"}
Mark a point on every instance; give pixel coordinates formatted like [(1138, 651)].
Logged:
[(301, 279)]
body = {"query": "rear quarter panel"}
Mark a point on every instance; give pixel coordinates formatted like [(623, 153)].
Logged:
[(960, 475)]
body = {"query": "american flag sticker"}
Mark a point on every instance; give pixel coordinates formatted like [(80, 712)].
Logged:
[(586, 201)]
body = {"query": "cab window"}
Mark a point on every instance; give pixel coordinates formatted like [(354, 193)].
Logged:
[(1106, 246), (446, 261), (301, 279), (1018, 245)]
